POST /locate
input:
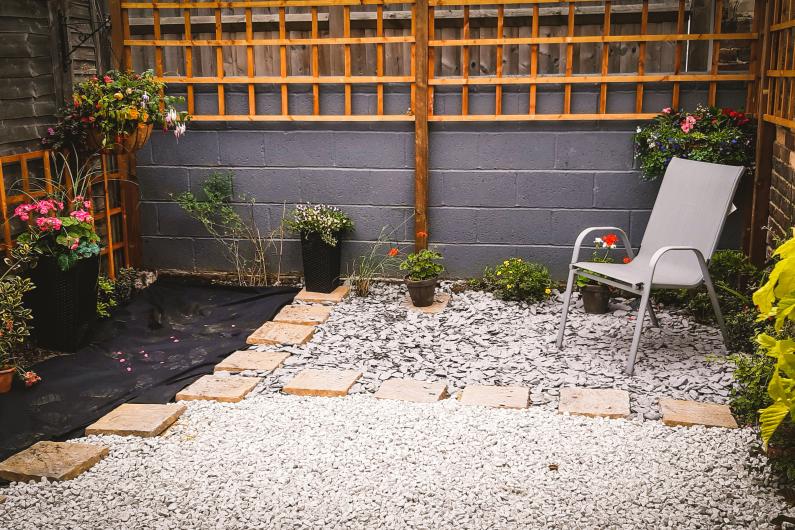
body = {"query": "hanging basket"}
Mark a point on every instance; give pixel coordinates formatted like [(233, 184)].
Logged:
[(127, 143)]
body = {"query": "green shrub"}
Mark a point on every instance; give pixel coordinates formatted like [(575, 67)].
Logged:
[(517, 279), (105, 296), (422, 265), (752, 373)]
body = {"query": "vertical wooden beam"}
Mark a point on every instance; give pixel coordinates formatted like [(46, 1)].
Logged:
[(379, 59), (605, 58), (283, 60), (531, 109), (500, 35), (346, 32), (569, 61), (188, 58), (756, 216), (250, 70), (158, 36), (421, 127), (680, 29), (431, 51), (465, 64), (712, 92), (219, 61), (644, 26), (4, 206), (116, 34), (315, 64)]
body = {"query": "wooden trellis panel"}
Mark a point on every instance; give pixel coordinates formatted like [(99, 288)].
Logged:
[(779, 79), (28, 176)]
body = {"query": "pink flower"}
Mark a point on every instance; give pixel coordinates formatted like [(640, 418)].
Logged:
[(107, 79), (81, 215), (23, 211), (48, 223), (86, 204), (75, 245), (666, 110), (688, 123)]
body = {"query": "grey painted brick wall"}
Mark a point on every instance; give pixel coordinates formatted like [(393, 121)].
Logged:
[(497, 190)]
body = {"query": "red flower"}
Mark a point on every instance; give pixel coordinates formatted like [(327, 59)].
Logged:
[(422, 233), (627, 259), (610, 239), (31, 378), (107, 79), (393, 252)]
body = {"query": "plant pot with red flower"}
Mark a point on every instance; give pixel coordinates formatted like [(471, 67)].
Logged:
[(596, 296), (321, 227), (62, 237), (115, 114), (422, 276)]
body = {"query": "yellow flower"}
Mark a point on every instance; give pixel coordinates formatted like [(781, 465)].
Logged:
[(145, 116), (118, 95), (133, 113), (499, 272), (548, 291), (509, 286), (506, 262), (129, 91)]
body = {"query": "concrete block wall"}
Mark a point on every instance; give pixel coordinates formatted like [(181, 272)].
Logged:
[(497, 190)]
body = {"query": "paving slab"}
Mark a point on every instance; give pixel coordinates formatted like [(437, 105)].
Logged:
[(281, 333), (324, 383), (306, 314), (333, 297), (229, 389), (504, 397), (440, 301), (412, 390), (260, 361), (594, 402), (137, 419), (688, 413), (54, 460)]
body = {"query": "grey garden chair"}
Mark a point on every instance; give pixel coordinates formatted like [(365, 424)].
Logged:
[(688, 216)]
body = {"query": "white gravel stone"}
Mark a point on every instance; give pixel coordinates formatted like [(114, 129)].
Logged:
[(277, 461)]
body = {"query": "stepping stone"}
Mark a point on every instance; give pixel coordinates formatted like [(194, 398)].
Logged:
[(54, 460), (259, 361), (333, 297), (687, 413), (503, 397), (229, 389), (133, 419), (412, 390), (324, 383), (281, 333), (603, 402), (440, 301), (308, 315)]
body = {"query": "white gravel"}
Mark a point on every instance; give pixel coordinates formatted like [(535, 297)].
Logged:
[(479, 339), (276, 461)]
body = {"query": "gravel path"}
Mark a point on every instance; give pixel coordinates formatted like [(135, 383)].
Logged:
[(479, 339), (276, 461)]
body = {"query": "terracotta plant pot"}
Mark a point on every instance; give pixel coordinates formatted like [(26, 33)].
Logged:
[(421, 292), (128, 142), (6, 378), (595, 298)]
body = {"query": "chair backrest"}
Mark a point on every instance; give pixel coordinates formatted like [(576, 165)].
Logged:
[(691, 207)]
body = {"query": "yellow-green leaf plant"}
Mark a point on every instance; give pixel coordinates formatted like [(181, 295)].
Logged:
[(776, 300)]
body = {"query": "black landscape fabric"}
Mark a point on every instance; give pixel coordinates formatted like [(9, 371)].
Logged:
[(168, 336)]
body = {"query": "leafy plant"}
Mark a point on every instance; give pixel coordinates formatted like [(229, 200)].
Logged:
[(14, 316), (105, 296), (61, 225), (708, 134), (752, 373), (217, 213), (321, 219), (115, 105), (517, 279), (422, 265), (776, 301)]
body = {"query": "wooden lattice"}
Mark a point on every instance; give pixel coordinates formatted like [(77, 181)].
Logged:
[(779, 79)]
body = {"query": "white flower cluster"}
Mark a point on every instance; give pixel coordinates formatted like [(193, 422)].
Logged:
[(325, 220), (599, 243)]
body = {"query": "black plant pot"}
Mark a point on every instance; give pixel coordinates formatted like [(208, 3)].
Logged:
[(321, 263), (422, 291), (595, 298), (64, 303)]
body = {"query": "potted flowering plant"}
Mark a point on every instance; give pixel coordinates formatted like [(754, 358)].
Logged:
[(321, 227), (422, 273), (59, 228), (708, 134), (14, 319), (596, 296), (116, 113)]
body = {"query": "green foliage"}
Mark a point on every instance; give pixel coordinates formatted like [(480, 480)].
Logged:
[(708, 134), (752, 373), (115, 105), (321, 219), (14, 318), (219, 216), (381, 260), (125, 284), (422, 265), (517, 279), (105, 296)]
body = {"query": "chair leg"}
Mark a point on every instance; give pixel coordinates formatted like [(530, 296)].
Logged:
[(653, 316), (715, 305), (633, 351), (566, 301)]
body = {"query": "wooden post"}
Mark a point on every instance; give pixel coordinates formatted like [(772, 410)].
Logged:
[(421, 127), (755, 219), (116, 34)]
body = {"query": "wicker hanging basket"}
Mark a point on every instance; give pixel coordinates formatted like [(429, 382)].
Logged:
[(126, 143)]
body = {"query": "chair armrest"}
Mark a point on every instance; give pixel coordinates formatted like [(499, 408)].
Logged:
[(575, 256), (663, 250)]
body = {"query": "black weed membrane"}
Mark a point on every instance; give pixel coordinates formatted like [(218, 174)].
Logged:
[(168, 336)]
